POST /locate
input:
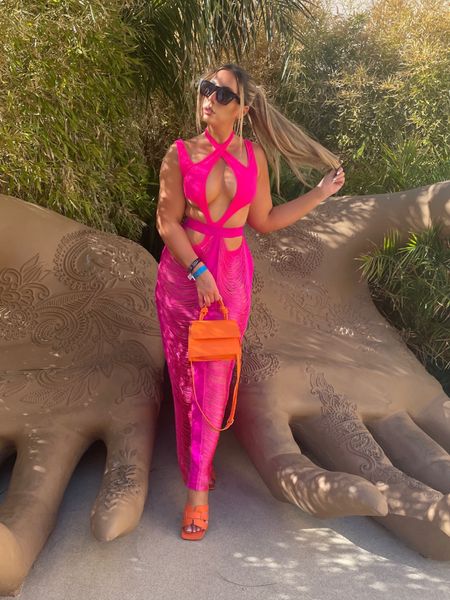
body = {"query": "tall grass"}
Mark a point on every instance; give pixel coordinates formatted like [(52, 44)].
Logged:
[(373, 87), (69, 135)]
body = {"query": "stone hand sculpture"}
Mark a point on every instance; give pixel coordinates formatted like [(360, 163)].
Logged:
[(323, 371), (80, 360)]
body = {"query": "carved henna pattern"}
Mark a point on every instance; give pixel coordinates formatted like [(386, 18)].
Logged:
[(68, 321), (66, 387), (119, 481), (309, 305), (88, 259), (120, 476), (291, 262), (305, 304), (88, 264), (342, 423), (20, 292), (261, 325), (307, 301), (348, 319), (258, 283), (88, 321), (257, 365)]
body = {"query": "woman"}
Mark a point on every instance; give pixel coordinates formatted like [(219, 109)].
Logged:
[(210, 186)]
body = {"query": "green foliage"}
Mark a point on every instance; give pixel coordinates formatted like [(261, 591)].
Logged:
[(373, 87), (92, 94), (180, 38), (69, 138), (410, 283), (177, 41)]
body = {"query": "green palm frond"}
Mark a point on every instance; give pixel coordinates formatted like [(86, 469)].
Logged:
[(179, 38), (410, 282)]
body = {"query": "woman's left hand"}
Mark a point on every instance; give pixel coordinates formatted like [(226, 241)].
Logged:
[(332, 182)]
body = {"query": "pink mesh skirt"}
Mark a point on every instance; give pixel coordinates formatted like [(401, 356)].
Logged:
[(177, 305)]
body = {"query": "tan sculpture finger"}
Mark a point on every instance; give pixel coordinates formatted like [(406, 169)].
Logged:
[(45, 462), (434, 418), (412, 450), (425, 522), (317, 351), (323, 493), (348, 446), (120, 502), (294, 478), (81, 360)]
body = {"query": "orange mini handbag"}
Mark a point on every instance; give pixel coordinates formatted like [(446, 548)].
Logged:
[(218, 339)]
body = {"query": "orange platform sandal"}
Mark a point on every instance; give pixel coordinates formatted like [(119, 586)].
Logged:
[(195, 515)]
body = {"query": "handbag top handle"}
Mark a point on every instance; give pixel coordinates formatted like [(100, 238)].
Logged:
[(223, 308)]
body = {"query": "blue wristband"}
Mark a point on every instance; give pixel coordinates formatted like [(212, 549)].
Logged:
[(199, 271)]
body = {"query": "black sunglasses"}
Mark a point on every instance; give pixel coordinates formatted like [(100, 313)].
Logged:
[(223, 94)]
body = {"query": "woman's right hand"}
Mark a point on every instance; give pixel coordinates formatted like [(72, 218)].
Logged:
[(207, 289), (332, 182)]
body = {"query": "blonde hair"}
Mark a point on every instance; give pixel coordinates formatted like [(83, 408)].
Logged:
[(278, 136)]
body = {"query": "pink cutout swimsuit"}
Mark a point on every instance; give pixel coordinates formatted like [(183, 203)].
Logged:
[(177, 305)]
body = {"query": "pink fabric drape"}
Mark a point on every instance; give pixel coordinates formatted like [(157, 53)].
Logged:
[(177, 305)]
